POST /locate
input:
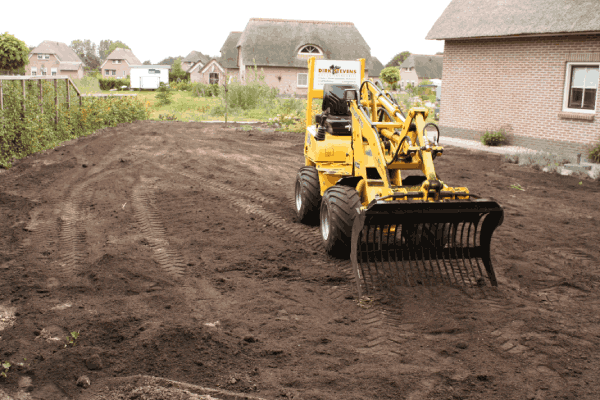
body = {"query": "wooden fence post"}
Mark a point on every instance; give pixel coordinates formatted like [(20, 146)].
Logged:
[(68, 97), (23, 81), (56, 101), (41, 97)]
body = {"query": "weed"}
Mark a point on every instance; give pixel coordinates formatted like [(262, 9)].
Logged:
[(493, 138), (167, 117), (512, 158), (72, 339), (594, 153), (247, 128), (4, 367), (517, 186)]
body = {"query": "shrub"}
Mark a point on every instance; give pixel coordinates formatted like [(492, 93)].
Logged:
[(493, 138), (87, 84), (594, 153), (183, 85), (26, 132), (164, 94), (204, 90), (112, 83), (255, 93)]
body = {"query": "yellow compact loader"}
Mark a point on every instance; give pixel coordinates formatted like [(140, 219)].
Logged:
[(370, 182)]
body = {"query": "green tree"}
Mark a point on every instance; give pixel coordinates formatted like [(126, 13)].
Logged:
[(14, 54), (390, 75), (87, 51), (169, 60), (115, 45), (103, 48), (398, 59), (147, 62), (177, 72)]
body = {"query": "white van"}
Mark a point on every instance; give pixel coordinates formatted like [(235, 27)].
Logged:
[(149, 76)]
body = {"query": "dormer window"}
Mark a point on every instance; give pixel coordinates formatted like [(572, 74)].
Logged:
[(43, 56), (309, 49), (116, 61)]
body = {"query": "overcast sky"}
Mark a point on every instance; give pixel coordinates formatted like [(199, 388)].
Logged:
[(156, 29)]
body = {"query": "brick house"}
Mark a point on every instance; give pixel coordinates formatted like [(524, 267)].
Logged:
[(528, 67), (417, 68), (207, 70), (118, 63), (280, 49), (54, 58), (193, 58)]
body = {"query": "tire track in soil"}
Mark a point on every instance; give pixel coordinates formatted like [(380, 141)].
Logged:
[(151, 226), (381, 324)]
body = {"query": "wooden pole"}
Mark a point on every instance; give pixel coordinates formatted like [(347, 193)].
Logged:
[(68, 96), (56, 101), (23, 81), (41, 97)]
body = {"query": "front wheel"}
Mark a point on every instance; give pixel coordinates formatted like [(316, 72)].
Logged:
[(339, 207), (307, 195)]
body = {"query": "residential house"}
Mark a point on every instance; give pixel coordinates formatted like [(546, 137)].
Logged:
[(54, 58), (280, 49), (528, 67), (417, 68), (118, 63), (214, 70), (193, 58)]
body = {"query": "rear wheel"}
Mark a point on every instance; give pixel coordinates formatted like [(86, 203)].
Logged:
[(338, 209), (307, 195)]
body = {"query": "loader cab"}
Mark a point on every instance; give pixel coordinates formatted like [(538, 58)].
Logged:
[(336, 116)]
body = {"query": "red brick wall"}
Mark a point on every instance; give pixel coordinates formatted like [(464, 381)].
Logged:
[(517, 84), (119, 68)]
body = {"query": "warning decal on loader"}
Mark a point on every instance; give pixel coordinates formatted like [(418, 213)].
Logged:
[(336, 71)]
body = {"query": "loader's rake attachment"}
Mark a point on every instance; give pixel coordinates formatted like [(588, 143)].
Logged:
[(397, 244)]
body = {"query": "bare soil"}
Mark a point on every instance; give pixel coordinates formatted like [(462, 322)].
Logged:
[(173, 249)]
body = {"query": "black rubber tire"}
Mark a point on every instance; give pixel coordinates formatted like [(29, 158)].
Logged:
[(339, 207), (307, 195)]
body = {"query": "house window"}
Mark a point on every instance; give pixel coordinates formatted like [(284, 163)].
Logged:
[(43, 56), (33, 71), (581, 87), (213, 78), (116, 61), (310, 50), (302, 80), (123, 73), (43, 71), (114, 71), (53, 71)]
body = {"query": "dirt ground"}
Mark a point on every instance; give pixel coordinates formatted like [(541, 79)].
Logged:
[(173, 249)]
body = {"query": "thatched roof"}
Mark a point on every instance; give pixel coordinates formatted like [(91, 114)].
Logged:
[(124, 54), (59, 49), (276, 42), (196, 56), (229, 51), (490, 18), (425, 66), (376, 67)]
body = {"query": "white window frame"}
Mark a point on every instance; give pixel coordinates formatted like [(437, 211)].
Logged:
[(43, 56), (569, 71), (209, 78), (33, 71), (44, 71), (124, 73), (53, 71), (298, 80), (320, 53), (116, 61)]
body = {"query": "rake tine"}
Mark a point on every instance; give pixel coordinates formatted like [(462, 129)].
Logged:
[(456, 265), (469, 251), (462, 233), (402, 254), (423, 239), (394, 273), (436, 251), (383, 269), (367, 257), (478, 255), (449, 227)]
